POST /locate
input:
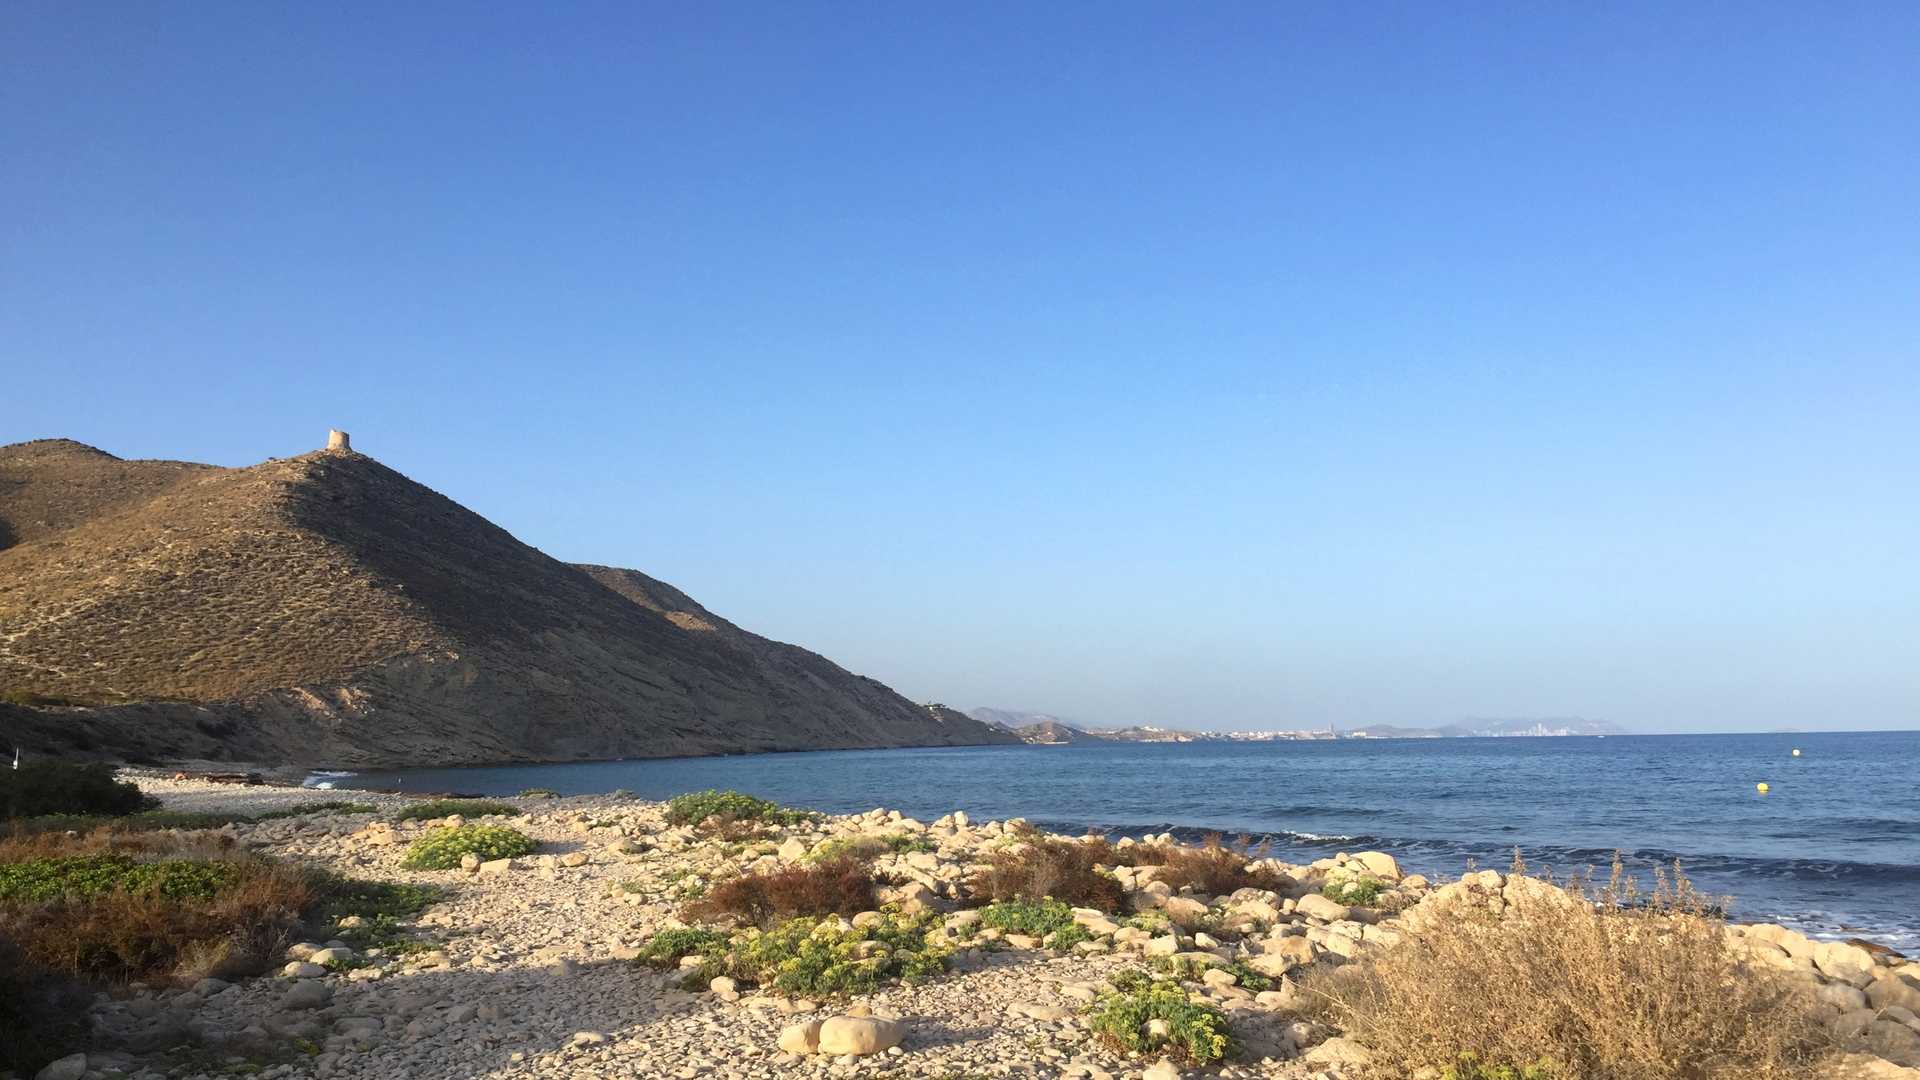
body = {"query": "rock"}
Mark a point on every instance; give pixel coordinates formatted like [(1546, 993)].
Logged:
[(1022, 941), (802, 1038), (859, 1035), (1867, 1067), (1848, 963), (1840, 997), (1379, 864), (1849, 1026), (1184, 911), (1162, 1070), (496, 866), (723, 986), (307, 994), (1315, 906), (470, 863), (1165, 945), (574, 858), (208, 987), (1894, 989), (71, 1067), (300, 969), (302, 950), (1897, 1043), (588, 1038), (1049, 1013), (1339, 1053), (330, 956)]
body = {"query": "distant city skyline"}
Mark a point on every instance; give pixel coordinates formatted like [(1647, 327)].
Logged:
[(1231, 367)]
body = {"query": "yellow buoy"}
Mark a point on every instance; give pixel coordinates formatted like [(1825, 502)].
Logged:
[(1761, 788), (1796, 751)]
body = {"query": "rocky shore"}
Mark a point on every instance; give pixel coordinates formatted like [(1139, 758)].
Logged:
[(529, 966)]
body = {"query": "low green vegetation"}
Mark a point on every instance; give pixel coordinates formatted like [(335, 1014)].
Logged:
[(539, 793), (442, 849), (870, 847), (809, 956), (1246, 978), (60, 787), (1185, 965), (380, 906), (439, 808), (1357, 892), (331, 806), (705, 807), (1035, 917), (841, 887), (1191, 1033), (1472, 1068), (78, 877), (668, 946)]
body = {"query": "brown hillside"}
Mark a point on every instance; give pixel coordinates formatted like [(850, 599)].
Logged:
[(325, 608)]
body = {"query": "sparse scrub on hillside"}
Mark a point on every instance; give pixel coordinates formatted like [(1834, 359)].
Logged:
[(1355, 892), (1041, 867), (841, 886), (434, 809), (442, 849), (380, 906), (330, 806), (1592, 982), (714, 808), (38, 788)]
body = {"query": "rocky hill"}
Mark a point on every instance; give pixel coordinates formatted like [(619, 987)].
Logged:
[(325, 609)]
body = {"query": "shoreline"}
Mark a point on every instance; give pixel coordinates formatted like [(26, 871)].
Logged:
[(531, 970)]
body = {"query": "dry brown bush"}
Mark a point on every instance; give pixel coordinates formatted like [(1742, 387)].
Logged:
[(842, 886), (145, 934), (1042, 867), (1592, 983), (1212, 868)]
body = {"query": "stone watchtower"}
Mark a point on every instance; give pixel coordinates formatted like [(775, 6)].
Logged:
[(339, 440)]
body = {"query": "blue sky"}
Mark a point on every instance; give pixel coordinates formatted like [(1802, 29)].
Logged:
[(1223, 366)]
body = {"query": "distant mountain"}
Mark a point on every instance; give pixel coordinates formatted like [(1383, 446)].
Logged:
[(325, 609)]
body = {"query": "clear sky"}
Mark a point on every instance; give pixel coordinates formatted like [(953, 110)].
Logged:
[(1267, 365)]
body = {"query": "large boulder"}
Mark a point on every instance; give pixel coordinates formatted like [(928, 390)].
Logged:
[(802, 1038), (1315, 906), (1891, 989), (1379, 864), (1897, 1043), (1848, 963), (859, 1035)]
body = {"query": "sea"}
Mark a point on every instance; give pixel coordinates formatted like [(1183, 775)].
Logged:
[(1832, 847)]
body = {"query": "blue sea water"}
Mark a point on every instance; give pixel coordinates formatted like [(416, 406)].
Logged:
[(1833, 848)]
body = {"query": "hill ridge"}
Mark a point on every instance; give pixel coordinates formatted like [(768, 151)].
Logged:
[(325, 607)]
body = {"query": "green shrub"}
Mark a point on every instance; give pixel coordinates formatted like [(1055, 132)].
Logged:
[(1471, 1068), (699, 807), (1036, 917), (539, 793), (331, 806), (1195, 1034), (1065, 938), (382, 907), (1357, 892), (812, 956), (439, 808), (1246, 978), (442, 849), (61, 787), (868, 848), (83, 876), (665, 948)]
